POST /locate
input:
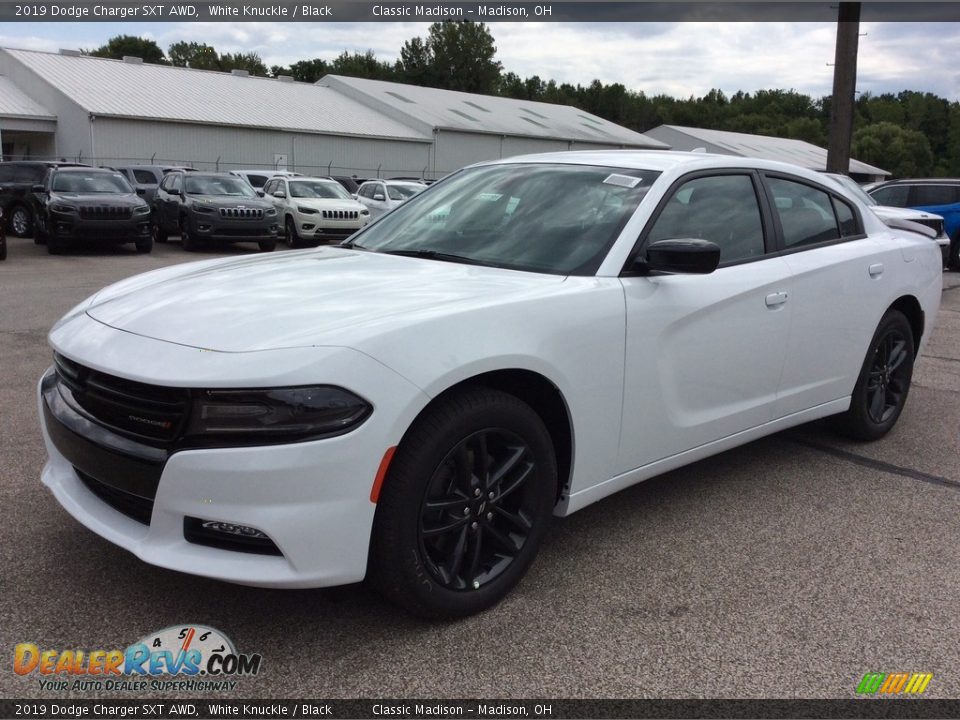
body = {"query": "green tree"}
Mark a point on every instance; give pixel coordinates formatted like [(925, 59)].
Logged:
[(362, 65), (303, 70), (194, 55), (457, 55), (120, 45), (251, 62), (904, 152)]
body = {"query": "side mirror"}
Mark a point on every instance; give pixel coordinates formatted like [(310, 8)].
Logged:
[(141, 191), (279, 194), (355, 196), (38, 188), (379, 196), (260, 193), (687, 256)]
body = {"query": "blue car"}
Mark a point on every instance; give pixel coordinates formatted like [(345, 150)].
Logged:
[(935, 195)]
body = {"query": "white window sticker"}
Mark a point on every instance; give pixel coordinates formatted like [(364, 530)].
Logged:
[(622, 180)]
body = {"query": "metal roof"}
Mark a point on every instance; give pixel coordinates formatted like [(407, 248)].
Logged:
[(430, 108), (161, 92), (764, 147), (15, 104)]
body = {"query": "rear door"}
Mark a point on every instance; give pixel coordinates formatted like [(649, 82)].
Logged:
[(838, 273)]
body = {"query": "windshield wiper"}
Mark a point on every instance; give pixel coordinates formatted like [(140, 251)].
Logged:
[(433, 255)]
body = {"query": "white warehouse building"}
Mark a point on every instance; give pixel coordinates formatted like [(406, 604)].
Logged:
[(114, 112)]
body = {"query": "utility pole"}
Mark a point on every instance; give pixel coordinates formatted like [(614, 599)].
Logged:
[(844, 88)]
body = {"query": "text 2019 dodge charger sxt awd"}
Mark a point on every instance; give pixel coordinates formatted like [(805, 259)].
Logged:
[(521, 339)]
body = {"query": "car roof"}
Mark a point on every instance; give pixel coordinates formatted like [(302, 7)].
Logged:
[(84, 168), (309, 177), (920, 181)]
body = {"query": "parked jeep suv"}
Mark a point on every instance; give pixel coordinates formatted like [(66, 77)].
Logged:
[(76, 204), (213, 207), (935, 195), (17, 179)]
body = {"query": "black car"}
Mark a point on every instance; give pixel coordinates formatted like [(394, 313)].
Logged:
[(3, 239), (17, 180), (213, 207), (77, 204), (146, 178)]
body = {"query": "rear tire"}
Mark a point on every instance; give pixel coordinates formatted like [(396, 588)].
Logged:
[(953, 257), (159, 234), (3, 247), (884, 382), (465, 505), (56, 245)]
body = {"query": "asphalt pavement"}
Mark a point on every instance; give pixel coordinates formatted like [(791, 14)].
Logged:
[(789, 567)]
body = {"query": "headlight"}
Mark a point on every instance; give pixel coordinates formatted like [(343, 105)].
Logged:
[(202, 209), (273, 415), (141, 210), (306, 210), (270, 212), (61, 208)]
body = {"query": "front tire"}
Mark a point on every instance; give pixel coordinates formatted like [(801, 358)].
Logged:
[(188, 240), (884, 382), (267, 245), (953, 257), (144, 245), (465, 505), (21, 221), (290, 235)]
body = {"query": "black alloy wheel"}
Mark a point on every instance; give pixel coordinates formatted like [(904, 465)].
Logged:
[(465, 504), (953, 256), (478, 510), (884, 381), (188, 240)]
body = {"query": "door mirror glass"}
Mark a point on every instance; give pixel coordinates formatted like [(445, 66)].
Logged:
[(38, 188)]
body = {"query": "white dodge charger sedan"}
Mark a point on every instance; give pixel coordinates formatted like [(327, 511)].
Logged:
[(518, 341)]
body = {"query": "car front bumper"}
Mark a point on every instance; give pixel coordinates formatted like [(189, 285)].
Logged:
[(325, 229), (213, 227), (311, 499), (73, 227)]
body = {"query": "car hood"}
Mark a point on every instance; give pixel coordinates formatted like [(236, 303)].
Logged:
[(331, 296), (329, 204), (128, 199)]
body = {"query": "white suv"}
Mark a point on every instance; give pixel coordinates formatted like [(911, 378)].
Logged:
[(258, 178), (314, 210)]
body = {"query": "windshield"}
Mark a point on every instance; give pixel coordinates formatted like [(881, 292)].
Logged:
[(402, 192), (217, 185), (850, 184), (90, 182), (318, 189), (559, 219)]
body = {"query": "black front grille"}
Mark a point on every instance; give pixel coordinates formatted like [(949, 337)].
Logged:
[(242, 213), (133, 506), (134, 409), (341, 214), (935, 223), (105, 212)]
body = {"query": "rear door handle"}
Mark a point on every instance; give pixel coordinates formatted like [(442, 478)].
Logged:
[(775, 299), (875, 270)]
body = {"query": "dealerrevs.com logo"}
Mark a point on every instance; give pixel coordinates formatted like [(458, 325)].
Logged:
[(203, 657)]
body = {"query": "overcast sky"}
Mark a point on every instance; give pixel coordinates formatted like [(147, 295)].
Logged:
[(679, 59)]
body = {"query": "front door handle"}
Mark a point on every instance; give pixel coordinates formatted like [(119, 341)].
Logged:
[(875, 270), (775, 299)]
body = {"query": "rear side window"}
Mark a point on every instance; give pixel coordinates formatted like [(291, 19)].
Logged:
[(144, 177), (29, 173), (806, 214), (892, 195), (257, 180), (934, 194), (846, 218)]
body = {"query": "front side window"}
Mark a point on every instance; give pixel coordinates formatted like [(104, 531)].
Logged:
[(891, 195), (257, 180), (720, 208), (806, 214), (29, 173), (144, 177), (176, 185), (551, 218), (402, 192)]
